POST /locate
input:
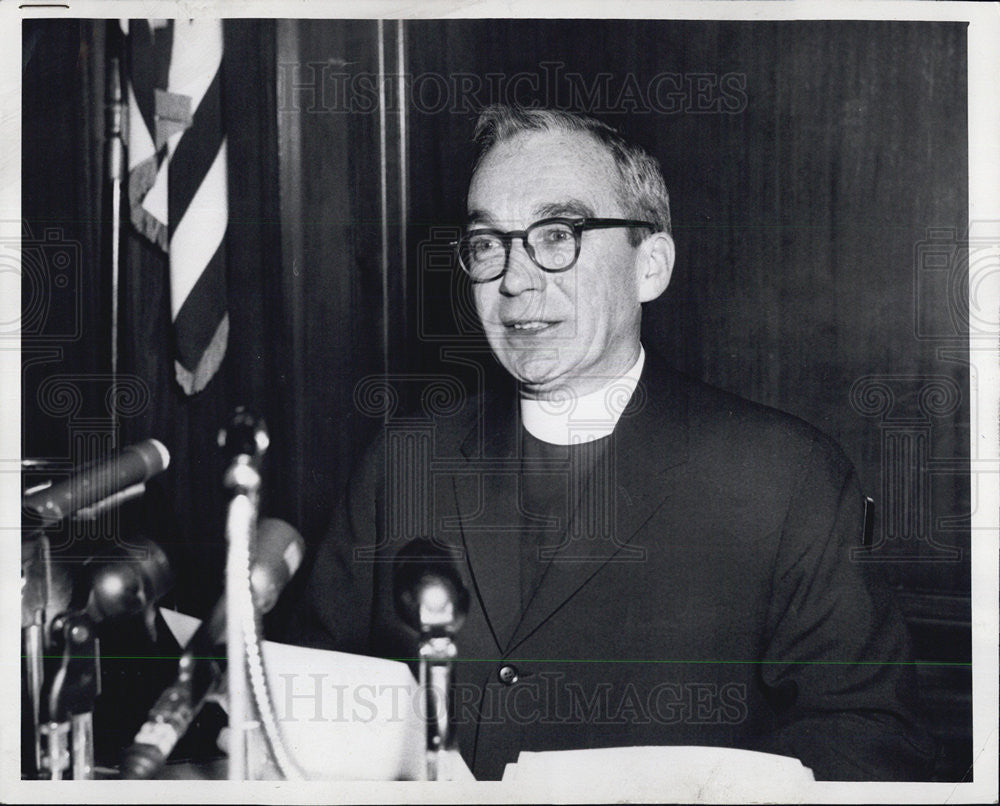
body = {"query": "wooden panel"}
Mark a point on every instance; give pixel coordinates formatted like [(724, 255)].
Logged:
[(65, 303), (331, 221)]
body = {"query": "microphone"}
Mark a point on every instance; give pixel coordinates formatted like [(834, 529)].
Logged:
[(132, 465), (280, 549), (428, 591), (130, 585), (279, 554), (431, 598)]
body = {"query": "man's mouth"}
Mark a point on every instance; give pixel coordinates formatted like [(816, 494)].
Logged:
[(529, 326)]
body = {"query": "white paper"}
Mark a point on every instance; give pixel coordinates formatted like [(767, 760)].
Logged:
[(706, 774), (343, 716)]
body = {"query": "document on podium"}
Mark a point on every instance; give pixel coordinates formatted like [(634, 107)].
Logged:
[(705, 774), (343, 716)]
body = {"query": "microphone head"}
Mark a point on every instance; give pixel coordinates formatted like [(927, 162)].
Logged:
[(161, 452), (428, 590), (154, 455), (128, 586), (278, 555), (246, 435)]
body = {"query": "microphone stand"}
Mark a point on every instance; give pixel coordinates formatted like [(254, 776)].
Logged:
[(69, 688), (69, 695), (431, 598), (436, 655), (36, 584), (115, 161), (250, 439)]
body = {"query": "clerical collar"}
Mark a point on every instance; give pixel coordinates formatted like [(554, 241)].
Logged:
[(569, 421)]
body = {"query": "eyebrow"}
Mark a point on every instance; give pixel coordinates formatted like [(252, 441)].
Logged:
[(572, 208), (478, 216)]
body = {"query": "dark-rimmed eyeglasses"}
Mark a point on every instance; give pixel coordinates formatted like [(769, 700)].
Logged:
[(553, 244)]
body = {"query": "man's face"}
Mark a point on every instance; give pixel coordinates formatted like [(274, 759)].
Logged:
[(573, 331)]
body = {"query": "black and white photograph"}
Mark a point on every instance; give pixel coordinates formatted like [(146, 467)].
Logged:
[(470, 402)]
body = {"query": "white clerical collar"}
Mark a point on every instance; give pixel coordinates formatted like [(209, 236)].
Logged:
[(571, 420)]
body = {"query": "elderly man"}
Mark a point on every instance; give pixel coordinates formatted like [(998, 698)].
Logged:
[(651, 561)]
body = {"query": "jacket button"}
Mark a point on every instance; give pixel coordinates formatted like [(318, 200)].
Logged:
[(507, 675)]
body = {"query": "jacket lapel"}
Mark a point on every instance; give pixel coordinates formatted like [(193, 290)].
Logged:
[(486, 495), (650, 438)]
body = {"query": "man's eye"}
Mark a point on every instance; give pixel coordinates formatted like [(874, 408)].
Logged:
[(555, 235), (482, 246)]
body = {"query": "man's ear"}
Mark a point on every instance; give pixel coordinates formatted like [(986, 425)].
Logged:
[(654, 265)]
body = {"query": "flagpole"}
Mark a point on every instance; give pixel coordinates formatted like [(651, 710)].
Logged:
[(116, 173)]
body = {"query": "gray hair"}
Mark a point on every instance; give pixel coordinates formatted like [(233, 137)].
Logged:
[(641, 189)]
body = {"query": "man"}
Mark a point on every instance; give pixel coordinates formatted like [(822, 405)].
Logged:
[(651, 561)]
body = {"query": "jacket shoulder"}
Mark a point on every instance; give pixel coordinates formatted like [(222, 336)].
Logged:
[(749, 433)]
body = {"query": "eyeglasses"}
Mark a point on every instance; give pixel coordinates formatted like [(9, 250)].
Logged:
[(553, 244)]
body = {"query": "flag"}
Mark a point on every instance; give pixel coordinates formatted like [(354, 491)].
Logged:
[(177, 178)]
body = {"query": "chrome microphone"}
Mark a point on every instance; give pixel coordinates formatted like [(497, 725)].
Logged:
[(131, 466)]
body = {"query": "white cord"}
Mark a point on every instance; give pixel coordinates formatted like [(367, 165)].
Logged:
[(261, 691), (243, 633)]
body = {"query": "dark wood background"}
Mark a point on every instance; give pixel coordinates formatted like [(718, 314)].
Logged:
[(819, 195)]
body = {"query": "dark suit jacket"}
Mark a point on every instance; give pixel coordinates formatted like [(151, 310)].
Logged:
[(710, 600)]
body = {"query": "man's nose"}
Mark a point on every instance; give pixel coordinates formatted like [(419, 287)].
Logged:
[(522, 274)]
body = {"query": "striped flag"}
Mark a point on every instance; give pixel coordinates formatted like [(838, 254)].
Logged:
[(177, 178)]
